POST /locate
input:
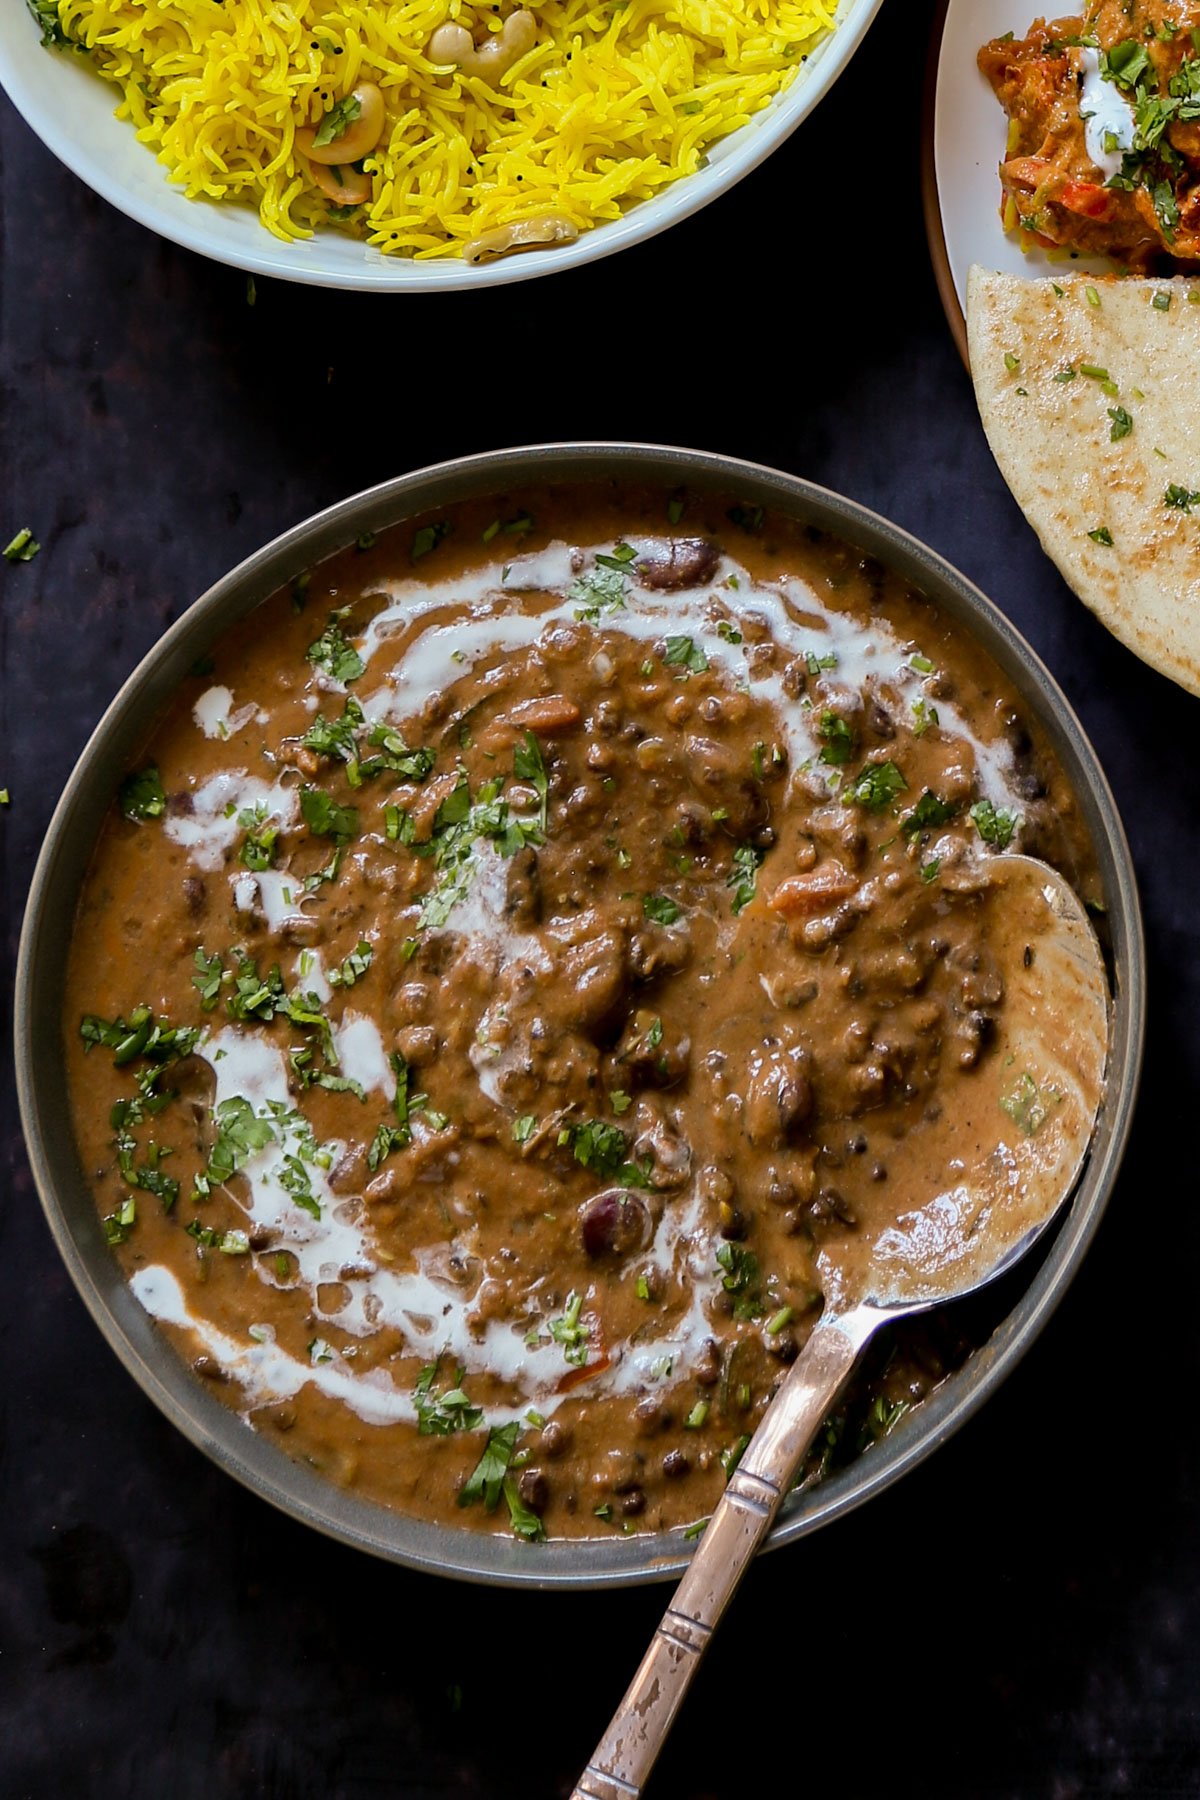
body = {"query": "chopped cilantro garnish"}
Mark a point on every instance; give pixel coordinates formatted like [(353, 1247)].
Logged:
[(660, 908), (440, 1415), (604, 1149), (682, 652), (210, 972), (837, 738), (530, 765), (142, 796), (524, 1522), (743, 874), (21, 548), (876, 786), (732, 1457), (1122, 423), (353, 967), (486, 1480), (929, 811), (995, 824), (1102, 535), (428, 537), (325, 818), (1181, 497), (337, 121), (334, 653), (599, 591), (1026, 1105), (568, 1332), (258, 845), (740, 1276)]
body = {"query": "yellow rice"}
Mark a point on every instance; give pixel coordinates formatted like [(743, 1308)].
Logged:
[(614, 102)]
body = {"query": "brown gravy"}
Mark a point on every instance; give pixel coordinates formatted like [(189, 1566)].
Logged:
[(571, 909)]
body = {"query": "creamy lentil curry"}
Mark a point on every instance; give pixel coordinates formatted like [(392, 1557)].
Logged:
[(527, 956)]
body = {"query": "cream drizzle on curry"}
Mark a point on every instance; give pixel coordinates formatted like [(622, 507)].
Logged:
[(518, 963)]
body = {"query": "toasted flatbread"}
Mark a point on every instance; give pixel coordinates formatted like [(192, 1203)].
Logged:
[(1088, 391)]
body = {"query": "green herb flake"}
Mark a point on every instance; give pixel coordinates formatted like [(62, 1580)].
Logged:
[(603, 1148), (143, 796), (876, 787), (1027, 1105), (1102, 535), (1161, 301), (487, 1478), (568, 1332), (337, 121), (428, 537), (325, 818), (930, 811), (334, 653), (682, 652), (660, 908), (524, 1128), (441, 1415), (352, 967), (1122, 423), (996, 825), (21, 548), (837, 738), (743, 874)]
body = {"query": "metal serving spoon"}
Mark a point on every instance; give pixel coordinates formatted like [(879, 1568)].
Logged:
[(1015, 1152)]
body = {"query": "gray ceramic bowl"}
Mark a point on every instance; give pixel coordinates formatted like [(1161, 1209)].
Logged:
[(69, 1207)]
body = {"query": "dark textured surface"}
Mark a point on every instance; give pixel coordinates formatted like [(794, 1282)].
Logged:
[(1021, 1617)]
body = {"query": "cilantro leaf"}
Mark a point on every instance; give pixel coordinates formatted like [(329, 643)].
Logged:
[(995, 824), (142, 796), (929, 811), (604, 1149), (837, 738), (682, 652), (876, 786), (337, 121), (743, 875), (486, 1480), (325, 818), (334, 653), (660, 908)]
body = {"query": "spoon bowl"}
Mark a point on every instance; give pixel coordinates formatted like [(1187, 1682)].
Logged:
[(1013, 1146)]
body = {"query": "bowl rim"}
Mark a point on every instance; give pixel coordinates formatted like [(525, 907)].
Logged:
[(731, 159), (257, 1462)]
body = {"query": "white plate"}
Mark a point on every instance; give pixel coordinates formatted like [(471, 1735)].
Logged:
[(71, 110), (969, 134)]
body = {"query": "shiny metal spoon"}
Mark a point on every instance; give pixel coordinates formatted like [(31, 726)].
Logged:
[(1016, 1151)]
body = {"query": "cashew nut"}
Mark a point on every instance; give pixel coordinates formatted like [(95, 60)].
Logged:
[(526, 234), (359, 137), (491, 59), (342, 183)]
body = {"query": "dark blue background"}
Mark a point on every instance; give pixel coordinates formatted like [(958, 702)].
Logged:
[(1022, 1616)]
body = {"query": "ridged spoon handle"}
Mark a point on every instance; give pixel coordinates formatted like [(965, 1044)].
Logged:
[(629, 1748)]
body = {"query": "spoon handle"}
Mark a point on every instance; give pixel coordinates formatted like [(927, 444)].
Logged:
[(628, 1750)]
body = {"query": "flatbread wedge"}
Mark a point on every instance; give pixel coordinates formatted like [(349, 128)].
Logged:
[(1089, 392)]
